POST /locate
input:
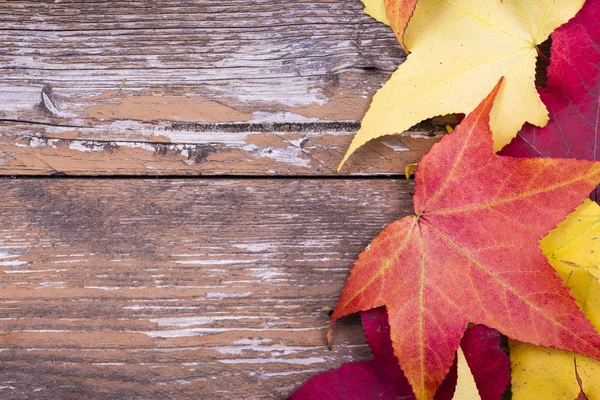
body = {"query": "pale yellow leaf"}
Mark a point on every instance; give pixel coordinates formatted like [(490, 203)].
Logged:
[(466, 389), (575, 242), (459, 51), (376, 9), (541, 373)]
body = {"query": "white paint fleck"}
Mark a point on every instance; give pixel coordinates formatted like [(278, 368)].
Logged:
[(137, 145), (251, 342), (52, 285), (103, 287), (12, 263), (139, 308), (227, 295), (290, 155), (191, 321), (281, 117), (108, 363), (347, 198), (217, 262), (274, 349), (255, 247), (396, 146), (296, 361), (216, 137), (286, 373), (79, 147), (204, 331), (267, 274)]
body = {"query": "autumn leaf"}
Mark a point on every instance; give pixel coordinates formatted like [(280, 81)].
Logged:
[(575, 242), (572, 249), (380, 378), (572, 94), (376, 9), (470, 254), (396, 13), (466, 388), (488, 364), (483, 369), (458, 53)]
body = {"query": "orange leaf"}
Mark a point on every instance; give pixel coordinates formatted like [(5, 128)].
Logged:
[(471, 254), (399, 13)]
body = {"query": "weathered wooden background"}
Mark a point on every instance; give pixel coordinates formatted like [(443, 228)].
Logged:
[(206, 259)]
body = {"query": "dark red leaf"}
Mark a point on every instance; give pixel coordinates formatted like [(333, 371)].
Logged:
[(572, 94), (489, 365), (380, 378)]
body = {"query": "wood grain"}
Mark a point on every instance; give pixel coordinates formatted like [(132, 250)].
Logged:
[(204, 289), (194, 87)]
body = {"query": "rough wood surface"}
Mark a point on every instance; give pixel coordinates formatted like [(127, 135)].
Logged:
[(202, 289), (194, 87)]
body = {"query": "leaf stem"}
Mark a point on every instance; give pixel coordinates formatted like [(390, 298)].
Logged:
[(541, 55)]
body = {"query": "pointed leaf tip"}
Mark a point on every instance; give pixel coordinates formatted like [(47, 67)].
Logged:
[(443, 75), (468, 198)]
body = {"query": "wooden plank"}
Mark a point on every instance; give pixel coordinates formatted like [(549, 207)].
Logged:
[(193, 87), (179, 289)]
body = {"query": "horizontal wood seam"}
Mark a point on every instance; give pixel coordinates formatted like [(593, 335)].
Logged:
[(210, 177)]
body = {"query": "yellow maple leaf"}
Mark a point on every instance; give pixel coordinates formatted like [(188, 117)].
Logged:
[(466, 389), (544, 373), (459, 51), (376, 9)]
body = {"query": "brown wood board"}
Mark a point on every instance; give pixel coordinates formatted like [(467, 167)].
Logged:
[(194, 87), (206, 289)]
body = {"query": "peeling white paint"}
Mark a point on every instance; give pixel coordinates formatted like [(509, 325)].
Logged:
[(204, 331), (217, 262), (4, 255), (13, 263), (291, 155), (216, 136), (52, 285), (281, 117), (267, 274), (296, 361), (137, 145), (256, 247), (79, 147), (347, 198), (103, 287), (227, 295), (396, 146), (191, 321), (286, 373), (251, 342), (139, 308), (275, 350)]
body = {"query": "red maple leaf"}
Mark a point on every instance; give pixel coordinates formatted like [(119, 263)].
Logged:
[(471, 254), (382, 378)]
